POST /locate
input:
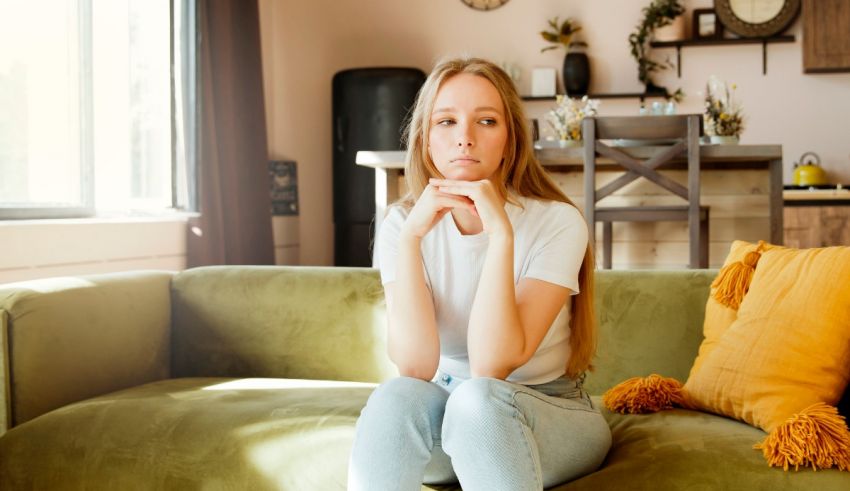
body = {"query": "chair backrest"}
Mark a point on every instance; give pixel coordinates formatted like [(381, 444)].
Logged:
[(670, 137)]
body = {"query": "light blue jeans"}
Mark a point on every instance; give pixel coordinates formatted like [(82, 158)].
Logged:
[(484, 433)]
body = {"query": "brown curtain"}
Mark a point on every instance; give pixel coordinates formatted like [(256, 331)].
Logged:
[(234, 226)]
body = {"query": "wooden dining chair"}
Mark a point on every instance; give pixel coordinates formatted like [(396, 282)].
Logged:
[(670, 137)]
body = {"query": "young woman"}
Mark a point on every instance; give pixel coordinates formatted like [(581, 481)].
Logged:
[(488, 281)]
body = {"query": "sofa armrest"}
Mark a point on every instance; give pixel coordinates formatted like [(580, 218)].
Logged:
[(71, 338)]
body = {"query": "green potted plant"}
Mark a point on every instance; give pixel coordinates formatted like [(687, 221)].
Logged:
[(576, 69), (657, 14)]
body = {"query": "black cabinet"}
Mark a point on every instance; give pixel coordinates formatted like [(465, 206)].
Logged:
[(370, 107)]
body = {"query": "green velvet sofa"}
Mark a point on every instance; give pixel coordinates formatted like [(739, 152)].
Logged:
[(241, 377)]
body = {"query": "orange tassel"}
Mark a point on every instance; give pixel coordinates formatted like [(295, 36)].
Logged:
[(817, 437), (733, 281), (643, 395)]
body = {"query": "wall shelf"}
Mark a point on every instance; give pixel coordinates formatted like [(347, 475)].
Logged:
[(720, 42), (623, 95)]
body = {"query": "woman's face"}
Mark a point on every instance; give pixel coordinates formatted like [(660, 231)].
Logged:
[(468, 130)]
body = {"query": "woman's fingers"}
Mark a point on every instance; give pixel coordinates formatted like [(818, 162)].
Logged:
[(432, 207), (454, 197), (474, 190), (463, 188), (460, 190), (451, 200), (454, 201)]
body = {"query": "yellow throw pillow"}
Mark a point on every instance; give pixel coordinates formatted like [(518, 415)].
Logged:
[(640, 395), (776, 354), (787, 351), (719, 316)]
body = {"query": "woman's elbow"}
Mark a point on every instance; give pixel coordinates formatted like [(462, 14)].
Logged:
[(499, 367), (426, 374), (500, 372), (420, 370)]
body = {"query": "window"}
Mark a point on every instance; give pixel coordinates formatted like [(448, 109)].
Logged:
[(95, 121)]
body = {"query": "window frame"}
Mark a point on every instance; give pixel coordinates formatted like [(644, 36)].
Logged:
[(184, 195)]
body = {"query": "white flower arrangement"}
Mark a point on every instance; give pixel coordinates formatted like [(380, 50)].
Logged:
[(566, 117)]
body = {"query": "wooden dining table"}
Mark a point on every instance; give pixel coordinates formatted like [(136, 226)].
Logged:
[(731, 166)]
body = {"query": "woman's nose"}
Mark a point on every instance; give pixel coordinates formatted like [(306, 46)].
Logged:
[(465, 139)]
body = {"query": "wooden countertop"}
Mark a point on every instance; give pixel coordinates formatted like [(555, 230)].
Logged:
[(816, 197), (571, 159), (735, 209)]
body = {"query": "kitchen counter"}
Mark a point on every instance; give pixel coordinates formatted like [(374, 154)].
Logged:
[(816, 197)]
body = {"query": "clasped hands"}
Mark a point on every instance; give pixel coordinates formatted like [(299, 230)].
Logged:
[(443, 195)]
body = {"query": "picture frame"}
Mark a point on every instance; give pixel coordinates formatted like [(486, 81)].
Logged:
[(706, 24), (283, 187), (543, 82)]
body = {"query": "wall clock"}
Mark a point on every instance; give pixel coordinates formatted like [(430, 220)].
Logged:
[(484, 4), (756, 18)]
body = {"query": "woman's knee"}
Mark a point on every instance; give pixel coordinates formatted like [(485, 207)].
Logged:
[(403, 395), (477, 399)]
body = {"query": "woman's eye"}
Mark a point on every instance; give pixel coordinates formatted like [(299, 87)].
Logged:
[(489, 121), (445, 122)]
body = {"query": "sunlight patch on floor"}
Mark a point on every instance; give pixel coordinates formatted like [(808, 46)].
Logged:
[(285, 383)]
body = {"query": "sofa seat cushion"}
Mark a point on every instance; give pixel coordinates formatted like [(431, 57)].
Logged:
[(193, 433), (683, 449), (264, 434)]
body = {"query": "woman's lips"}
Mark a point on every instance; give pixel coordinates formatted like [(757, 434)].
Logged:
[(465, 161)]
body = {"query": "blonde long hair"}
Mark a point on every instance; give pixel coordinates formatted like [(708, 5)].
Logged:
[(520, 169)]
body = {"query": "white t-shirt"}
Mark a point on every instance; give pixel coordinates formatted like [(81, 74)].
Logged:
[(550, 238)]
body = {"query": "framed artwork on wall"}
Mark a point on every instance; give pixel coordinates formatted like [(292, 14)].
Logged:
[(757, 18), (283, 187), (706, 24)]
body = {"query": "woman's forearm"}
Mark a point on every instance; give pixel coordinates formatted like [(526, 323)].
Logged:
[(413, 339), (495, 338)]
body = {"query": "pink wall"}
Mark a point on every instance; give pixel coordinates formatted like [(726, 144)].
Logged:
[(306, 42)]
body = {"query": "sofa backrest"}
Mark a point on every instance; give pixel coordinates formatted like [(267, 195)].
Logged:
[(649, 322), (280, 321), (330, 323), (66, 339)]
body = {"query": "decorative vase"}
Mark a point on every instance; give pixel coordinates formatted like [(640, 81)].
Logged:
[(576, 74), (652, 89), (569, 143), (724, 140)]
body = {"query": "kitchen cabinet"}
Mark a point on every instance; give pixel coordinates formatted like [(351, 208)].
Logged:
[(826, 37), (817, 219), (817, 226)]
